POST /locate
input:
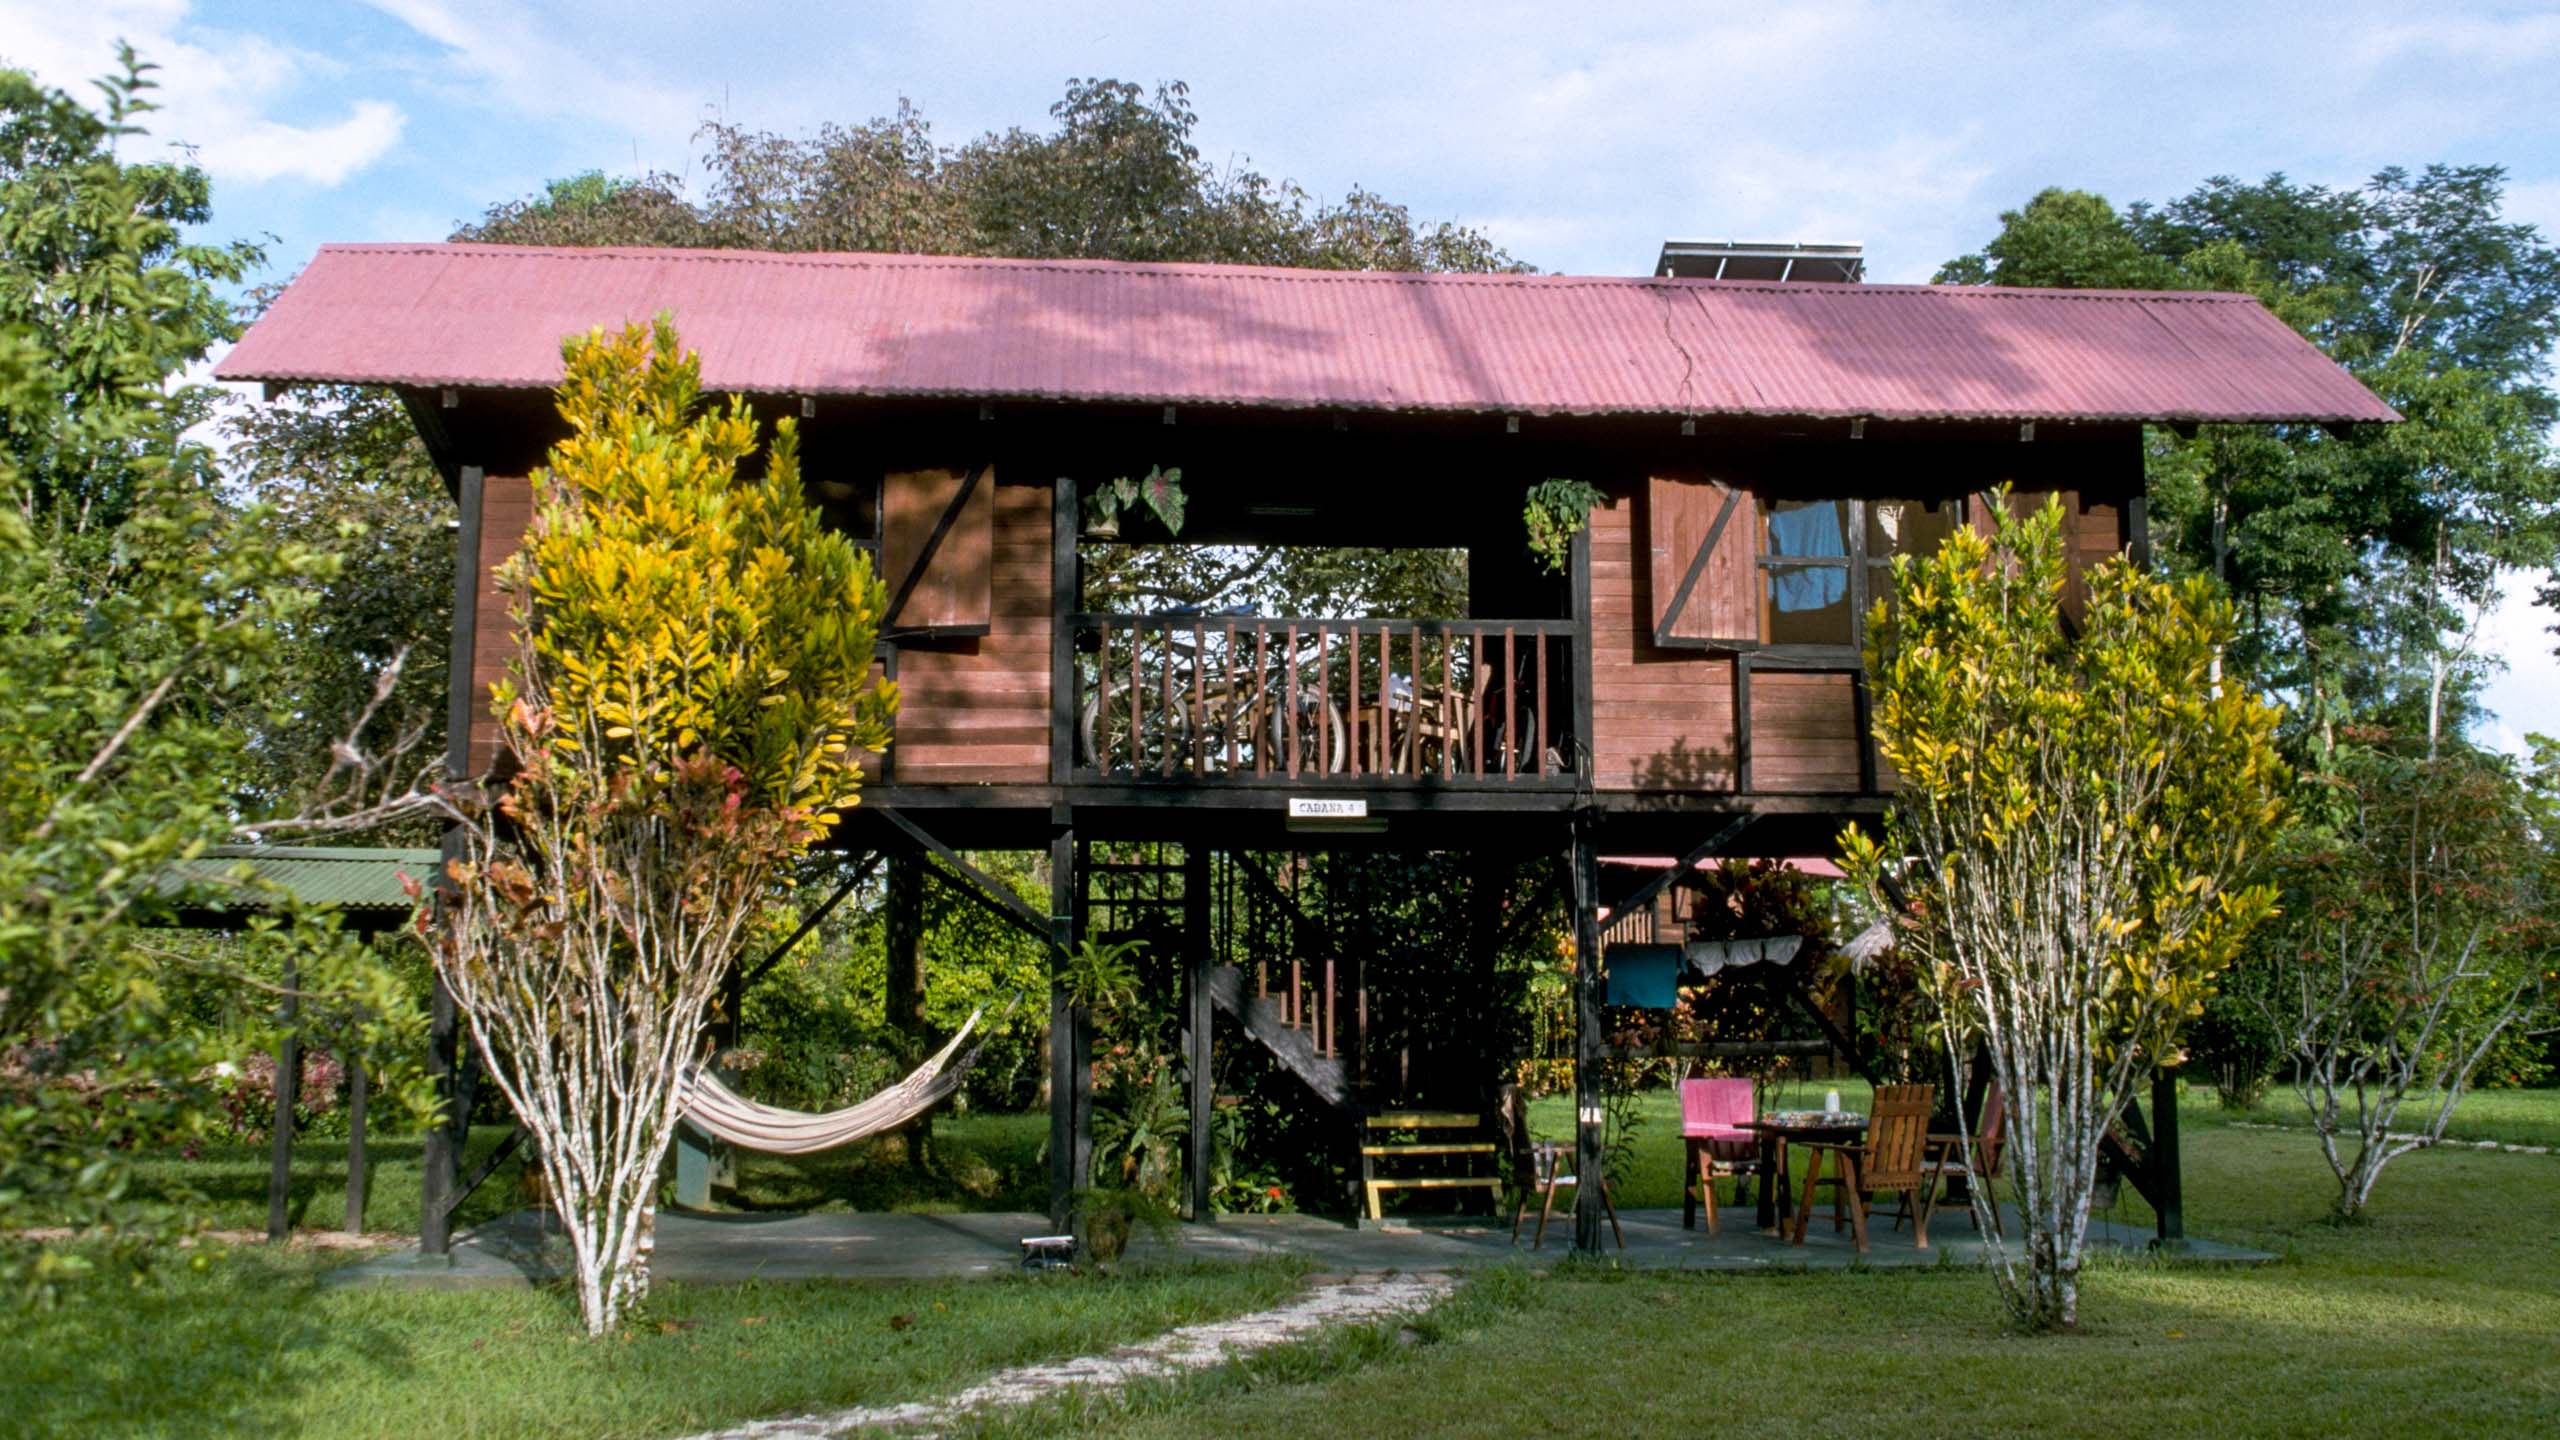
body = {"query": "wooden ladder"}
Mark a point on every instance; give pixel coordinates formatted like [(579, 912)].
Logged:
[(1399, 1135)]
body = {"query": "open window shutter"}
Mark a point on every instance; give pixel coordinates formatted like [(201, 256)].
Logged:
[(1705, 542), (937, 547)]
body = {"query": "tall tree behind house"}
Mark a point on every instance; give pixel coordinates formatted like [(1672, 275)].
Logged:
[(2361, 561)]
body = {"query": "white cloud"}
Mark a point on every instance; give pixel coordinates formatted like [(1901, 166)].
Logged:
[(267, 150), (219, 90), (517, 63)]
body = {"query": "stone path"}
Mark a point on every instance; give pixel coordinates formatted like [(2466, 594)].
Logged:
[(1357, 1300)]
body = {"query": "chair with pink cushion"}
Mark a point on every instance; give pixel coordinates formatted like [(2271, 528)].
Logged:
[(1712, 1114)]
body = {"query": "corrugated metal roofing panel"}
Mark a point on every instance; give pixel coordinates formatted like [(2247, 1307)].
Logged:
[(342, 878), (902, 325)]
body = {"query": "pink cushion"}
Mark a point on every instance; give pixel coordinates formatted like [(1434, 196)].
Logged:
[(1715, 1108)]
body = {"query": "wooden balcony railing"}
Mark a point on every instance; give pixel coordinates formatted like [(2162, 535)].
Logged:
[(1243, 698)]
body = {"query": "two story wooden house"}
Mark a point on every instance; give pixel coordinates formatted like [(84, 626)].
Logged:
[(1688, 685)]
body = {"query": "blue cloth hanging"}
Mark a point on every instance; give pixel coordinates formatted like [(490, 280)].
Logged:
[(1813, 532), (1646, 977)]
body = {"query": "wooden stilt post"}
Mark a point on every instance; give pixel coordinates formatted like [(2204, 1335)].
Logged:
[(1070, 1059), (441, 1161), (357, 1085), (1198, 1018), (1590, 1124), (2167, 1183), (287, 1088), (902, 930)]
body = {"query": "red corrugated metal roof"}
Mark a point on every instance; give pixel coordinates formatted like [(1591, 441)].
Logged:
[(1090, 330)]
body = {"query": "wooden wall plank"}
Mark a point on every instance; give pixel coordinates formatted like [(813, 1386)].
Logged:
[(975, 711), (956, 586)]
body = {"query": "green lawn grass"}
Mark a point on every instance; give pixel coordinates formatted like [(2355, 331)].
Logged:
[(2438, 1316), (252, 1345), (2511, 1117), (980, 1162), (2438, 1313)]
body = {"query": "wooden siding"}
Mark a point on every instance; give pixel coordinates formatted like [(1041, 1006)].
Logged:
[(1661, 720), (976, 710), (506, 511), (972, 710), (1723, 601), (950, 586)]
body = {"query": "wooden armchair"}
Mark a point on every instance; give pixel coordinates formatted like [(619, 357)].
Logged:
[(1894, 1156), (1949, 1160), (1540, 1168)]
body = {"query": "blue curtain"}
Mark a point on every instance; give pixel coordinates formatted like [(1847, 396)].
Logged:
[(1814, 531)]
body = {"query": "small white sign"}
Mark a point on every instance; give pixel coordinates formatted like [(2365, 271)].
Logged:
[(1305, 807)]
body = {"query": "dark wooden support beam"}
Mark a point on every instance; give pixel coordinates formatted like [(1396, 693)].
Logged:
[(441, 1160), (288, 1087), (357, 1181), (902, 933), (1742, 778), (439, 1157), (1720, 1049), (1847, 1048), (1865, 718), (1199, 1016), (2168, 1182), (1590, 1130), (1065, 1021), (480, 1177), (1583, 758), (1644, 894), (851, 883), (972, 883), (1065, 598)]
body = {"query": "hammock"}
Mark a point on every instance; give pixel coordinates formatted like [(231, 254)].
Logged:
[(724, 1114)]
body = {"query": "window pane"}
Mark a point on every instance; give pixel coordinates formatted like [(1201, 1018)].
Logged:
[(1907, 527), (1806, 528), (1808, 605)]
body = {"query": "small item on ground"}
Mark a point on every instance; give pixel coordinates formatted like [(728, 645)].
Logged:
[(1048, 1252)]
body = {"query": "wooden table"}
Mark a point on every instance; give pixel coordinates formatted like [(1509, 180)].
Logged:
[(1847, 1131)]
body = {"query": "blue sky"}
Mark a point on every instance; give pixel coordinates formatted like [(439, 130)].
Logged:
[(1579, 135)]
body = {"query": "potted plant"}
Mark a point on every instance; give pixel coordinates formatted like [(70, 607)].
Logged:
[(1160, 491), (1555, 512), (1107, 1216)]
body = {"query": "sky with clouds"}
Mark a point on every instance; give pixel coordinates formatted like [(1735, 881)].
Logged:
[(1580, 136)]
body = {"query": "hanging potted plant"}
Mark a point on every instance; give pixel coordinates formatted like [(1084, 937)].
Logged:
[(1555, 512), (1160, 491)]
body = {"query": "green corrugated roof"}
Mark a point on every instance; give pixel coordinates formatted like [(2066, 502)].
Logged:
[(360, 883)]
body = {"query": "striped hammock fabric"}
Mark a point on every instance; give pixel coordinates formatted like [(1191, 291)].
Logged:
[(724, 1114)]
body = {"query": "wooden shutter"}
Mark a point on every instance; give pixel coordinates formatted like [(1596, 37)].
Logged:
[(1704, 537), (937, 549)]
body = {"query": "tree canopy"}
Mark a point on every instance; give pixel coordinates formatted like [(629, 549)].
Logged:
[(1117, 179), (2359, 560)]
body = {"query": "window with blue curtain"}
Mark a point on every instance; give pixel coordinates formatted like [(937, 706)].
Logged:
[(1805, 557)]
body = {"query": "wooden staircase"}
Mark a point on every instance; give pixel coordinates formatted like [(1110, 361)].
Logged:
[(1275, 1024)]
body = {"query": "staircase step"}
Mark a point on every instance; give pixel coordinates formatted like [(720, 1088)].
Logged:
[(1481, 1147), (1292, 1046), (1425, 1120)]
